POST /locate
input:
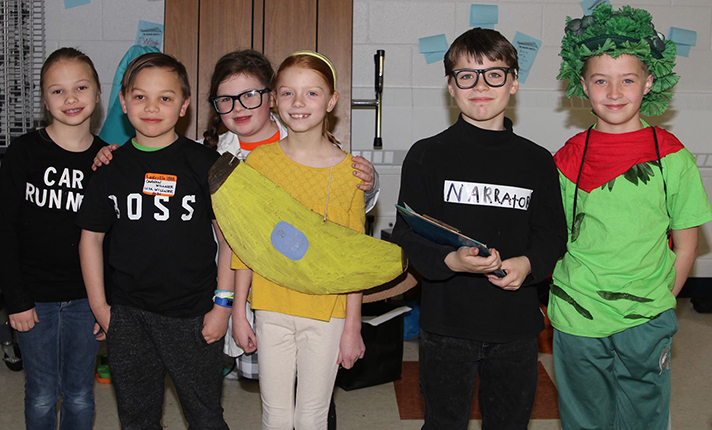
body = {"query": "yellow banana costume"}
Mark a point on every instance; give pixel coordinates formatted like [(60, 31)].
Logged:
[(285, 242)]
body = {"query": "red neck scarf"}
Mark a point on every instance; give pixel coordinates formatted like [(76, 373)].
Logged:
[(611, 155)]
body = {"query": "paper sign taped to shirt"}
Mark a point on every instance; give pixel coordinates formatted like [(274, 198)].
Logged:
[(156, 184), (472, 193)]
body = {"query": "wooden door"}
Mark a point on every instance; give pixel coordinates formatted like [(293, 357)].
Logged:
[(181, 26), (199, 32), (225, 26), (335, 40)]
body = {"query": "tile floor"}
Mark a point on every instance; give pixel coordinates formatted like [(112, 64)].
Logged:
[(375, 408)]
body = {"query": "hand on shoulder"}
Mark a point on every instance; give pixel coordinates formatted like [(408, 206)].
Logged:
[(104, 156), (364, 170)]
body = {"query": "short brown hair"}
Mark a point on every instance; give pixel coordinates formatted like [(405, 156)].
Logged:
[(151, 60), (478, 43)]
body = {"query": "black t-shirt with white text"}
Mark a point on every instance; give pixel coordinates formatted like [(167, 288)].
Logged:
[(157, 207), (42, 187)]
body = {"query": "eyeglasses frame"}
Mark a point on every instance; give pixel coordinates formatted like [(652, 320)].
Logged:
[(478, 72), (237, 97)]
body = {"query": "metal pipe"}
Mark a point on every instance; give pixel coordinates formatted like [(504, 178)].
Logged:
[(364, 103), (377, 103), (378, 59)]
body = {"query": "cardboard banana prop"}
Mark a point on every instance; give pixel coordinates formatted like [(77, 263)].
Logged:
[(285, 242)]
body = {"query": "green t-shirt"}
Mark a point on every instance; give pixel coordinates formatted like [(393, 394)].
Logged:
[(618, 273)]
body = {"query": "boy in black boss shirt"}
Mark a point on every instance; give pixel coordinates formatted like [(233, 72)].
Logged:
[(155, 201), (503, 190)]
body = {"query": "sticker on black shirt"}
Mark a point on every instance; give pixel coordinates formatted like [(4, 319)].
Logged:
[(473, 193), (156, 184)]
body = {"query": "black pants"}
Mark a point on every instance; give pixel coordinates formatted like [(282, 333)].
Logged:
[(449, 367), (331, 423), (142, 347)]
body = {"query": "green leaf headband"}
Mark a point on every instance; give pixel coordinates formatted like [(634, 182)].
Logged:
[(626, 31), (322, 57)]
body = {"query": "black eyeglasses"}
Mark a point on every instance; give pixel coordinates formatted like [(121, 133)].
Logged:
[(495, 77), (249, 100)]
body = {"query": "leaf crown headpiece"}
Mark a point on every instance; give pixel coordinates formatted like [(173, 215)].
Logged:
[(626, 31)]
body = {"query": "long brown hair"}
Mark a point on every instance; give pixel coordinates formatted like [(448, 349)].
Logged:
[(247, 62)]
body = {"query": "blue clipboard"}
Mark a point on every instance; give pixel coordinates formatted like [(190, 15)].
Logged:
[(439, 232)]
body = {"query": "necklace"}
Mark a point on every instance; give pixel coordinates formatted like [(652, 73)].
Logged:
[(328, 187), (328, 192)]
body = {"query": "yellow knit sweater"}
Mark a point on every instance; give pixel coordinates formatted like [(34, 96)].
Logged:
[(310, 186)]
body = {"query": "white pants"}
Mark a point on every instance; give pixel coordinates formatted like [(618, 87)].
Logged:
[(287, 345)]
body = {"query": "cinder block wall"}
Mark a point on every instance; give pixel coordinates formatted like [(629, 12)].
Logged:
[(102, 29), (416, 103)]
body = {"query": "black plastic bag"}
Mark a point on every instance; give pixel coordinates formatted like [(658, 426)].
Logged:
[(383, 360)]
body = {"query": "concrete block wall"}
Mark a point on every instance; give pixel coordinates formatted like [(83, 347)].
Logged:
[(417, 105), (102, 29)]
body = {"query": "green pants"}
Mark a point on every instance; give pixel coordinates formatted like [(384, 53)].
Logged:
[(619, 382)]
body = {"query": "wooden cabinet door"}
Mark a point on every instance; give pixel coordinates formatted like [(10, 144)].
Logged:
[(199, 32), (289, 25), (319, 25), (181, 41), (335, 40), (225, 26)]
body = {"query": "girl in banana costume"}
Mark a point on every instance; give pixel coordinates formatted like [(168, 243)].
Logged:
[(301, 333), (241, 97)]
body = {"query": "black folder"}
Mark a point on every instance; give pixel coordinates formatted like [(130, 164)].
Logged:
[(439, 232)]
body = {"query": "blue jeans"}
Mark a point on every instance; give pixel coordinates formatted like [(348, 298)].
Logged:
[(449, 367), (59, 355)]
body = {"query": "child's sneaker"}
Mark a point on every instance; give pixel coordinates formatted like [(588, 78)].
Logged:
[(231, 373), (102, 369)]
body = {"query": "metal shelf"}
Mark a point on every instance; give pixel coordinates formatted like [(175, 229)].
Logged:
[(21, 60)]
